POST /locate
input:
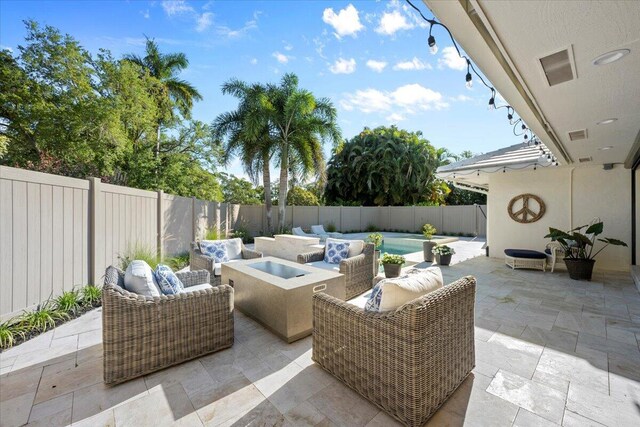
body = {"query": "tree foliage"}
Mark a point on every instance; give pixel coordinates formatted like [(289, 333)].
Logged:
[(298, 196), (68, 112), (384, 166), (240, 191)]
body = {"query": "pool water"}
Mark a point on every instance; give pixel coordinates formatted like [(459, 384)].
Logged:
[(400, 246)]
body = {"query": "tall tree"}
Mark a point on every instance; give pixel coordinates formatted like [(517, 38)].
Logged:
[(166, 67), (385, 166), (301, 123), (247, 134)]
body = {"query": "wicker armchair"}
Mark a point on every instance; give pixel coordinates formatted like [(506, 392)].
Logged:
[(407, 362), (199, 261), (145, 334), (357, 271)]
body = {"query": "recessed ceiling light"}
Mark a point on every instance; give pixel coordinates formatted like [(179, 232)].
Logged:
[(607, 121), (609, 57), (608, 147)]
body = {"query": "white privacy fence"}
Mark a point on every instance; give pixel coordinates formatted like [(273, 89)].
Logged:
[(58, 232)]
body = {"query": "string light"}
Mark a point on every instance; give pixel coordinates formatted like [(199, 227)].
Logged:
[(433, 48)]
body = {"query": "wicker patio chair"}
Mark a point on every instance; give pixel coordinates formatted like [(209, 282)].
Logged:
[(199, 261), (357, 270), (142, 334), (407, 362)]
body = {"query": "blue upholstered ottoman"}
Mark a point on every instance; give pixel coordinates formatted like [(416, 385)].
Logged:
[(525, 258)]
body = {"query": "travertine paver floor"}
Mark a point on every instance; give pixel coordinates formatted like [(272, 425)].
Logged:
[(549, 351)]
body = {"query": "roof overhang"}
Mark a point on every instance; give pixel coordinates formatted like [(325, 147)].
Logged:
[(506, 40)]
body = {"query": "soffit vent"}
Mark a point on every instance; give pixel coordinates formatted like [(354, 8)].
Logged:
[(584, 159), (577, 135), (557, 67)]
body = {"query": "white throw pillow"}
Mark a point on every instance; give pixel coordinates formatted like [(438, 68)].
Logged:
[(391, 294), (139, 279), (355, 246), (234, 248)]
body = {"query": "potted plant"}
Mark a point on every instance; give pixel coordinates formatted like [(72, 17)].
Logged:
[(578, 248), (428, 231), (443, 254), (377, 239), (392, 264)]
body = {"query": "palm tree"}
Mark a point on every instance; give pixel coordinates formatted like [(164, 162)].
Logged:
[(248, 136), (165, 68), (300, 124)]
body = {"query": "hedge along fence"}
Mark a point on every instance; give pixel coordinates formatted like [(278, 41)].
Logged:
[(57, 233)]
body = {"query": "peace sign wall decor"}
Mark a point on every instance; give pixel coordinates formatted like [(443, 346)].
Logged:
[(527, 212)]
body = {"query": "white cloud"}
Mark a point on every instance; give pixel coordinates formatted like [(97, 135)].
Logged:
[(234, 34), (7, 48), (253, 61), (345, 23), (376, 66), (367, 101), (287, 46), (319, 47), (414, 64), (392, 22), (343, 66), (280, 57), (451, 59), (395, 118), (204, 21), (176, 7), (463, 98), (404, 100), (145, 14)]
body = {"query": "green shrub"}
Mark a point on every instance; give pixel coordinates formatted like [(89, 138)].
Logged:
[(387, 258), (69, 302), (141, 252), (331, 227), (91, 296), (10, 331), (43, 318), (213, 233), (242, 231), (178, 262), (371, 228), (428, 231), (376, 239)]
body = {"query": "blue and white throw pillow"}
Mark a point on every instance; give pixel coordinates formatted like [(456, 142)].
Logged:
[(167, 280), (216, 250), (336, 252), (373, 303)]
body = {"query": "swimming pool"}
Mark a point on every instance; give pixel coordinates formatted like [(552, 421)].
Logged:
[(408, 245)]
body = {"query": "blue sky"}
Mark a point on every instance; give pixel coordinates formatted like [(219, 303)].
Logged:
[(370, 58)]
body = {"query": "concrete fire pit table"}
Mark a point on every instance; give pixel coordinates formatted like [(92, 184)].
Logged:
[(277, 293)]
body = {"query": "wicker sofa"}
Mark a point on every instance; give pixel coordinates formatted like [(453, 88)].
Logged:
[(145, 334), (199, 261), (407, 362), (357, 270)]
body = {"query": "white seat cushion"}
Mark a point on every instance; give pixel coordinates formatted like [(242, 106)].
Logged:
[(193, 288), (355, 246), (391, 294), (234, 248), (217, 267), (325, 265), (139, 279)]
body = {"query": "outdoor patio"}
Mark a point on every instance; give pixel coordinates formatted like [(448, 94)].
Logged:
[(549, 351)]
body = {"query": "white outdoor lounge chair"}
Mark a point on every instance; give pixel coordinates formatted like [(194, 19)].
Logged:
[(319, 230), (298, 231)]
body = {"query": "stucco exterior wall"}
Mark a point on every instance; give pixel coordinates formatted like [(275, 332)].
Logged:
[(573, 196), (638, 217)]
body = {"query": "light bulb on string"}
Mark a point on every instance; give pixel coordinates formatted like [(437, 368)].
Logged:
[(492, 104), (433, 47), (469, 83)]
